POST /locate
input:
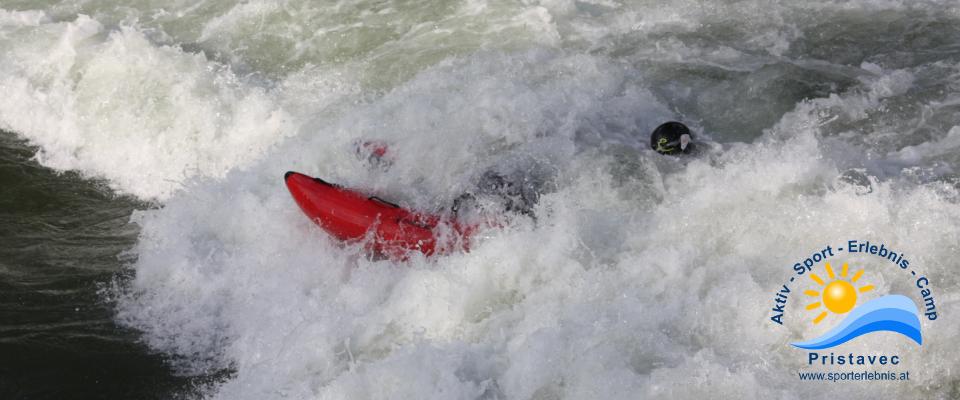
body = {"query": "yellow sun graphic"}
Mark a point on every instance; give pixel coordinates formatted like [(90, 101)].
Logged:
[(838, 296)]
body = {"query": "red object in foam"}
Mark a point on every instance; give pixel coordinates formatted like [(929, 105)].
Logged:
[(390, 230)]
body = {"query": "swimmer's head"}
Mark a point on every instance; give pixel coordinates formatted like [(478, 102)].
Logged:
[(672, 138)]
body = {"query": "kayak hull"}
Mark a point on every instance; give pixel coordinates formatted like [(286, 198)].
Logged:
[(384, 228)]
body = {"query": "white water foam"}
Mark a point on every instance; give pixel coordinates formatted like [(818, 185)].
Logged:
[(114, 105), (642, 276), (623, 287)]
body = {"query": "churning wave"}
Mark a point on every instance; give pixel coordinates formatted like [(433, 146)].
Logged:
[(641, 277)]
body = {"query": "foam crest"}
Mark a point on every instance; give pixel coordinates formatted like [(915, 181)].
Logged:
[(114, 105)]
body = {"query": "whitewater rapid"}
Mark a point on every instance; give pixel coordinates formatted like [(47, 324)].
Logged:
[(642, 276)]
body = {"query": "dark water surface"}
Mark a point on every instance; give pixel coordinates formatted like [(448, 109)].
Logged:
[(62, 238)]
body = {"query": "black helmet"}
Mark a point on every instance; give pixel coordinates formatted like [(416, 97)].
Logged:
[(671, 138)]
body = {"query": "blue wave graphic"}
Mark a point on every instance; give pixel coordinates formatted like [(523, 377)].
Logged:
[(893, 313)]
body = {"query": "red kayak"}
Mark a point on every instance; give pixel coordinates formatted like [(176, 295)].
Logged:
[(391, 230)]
